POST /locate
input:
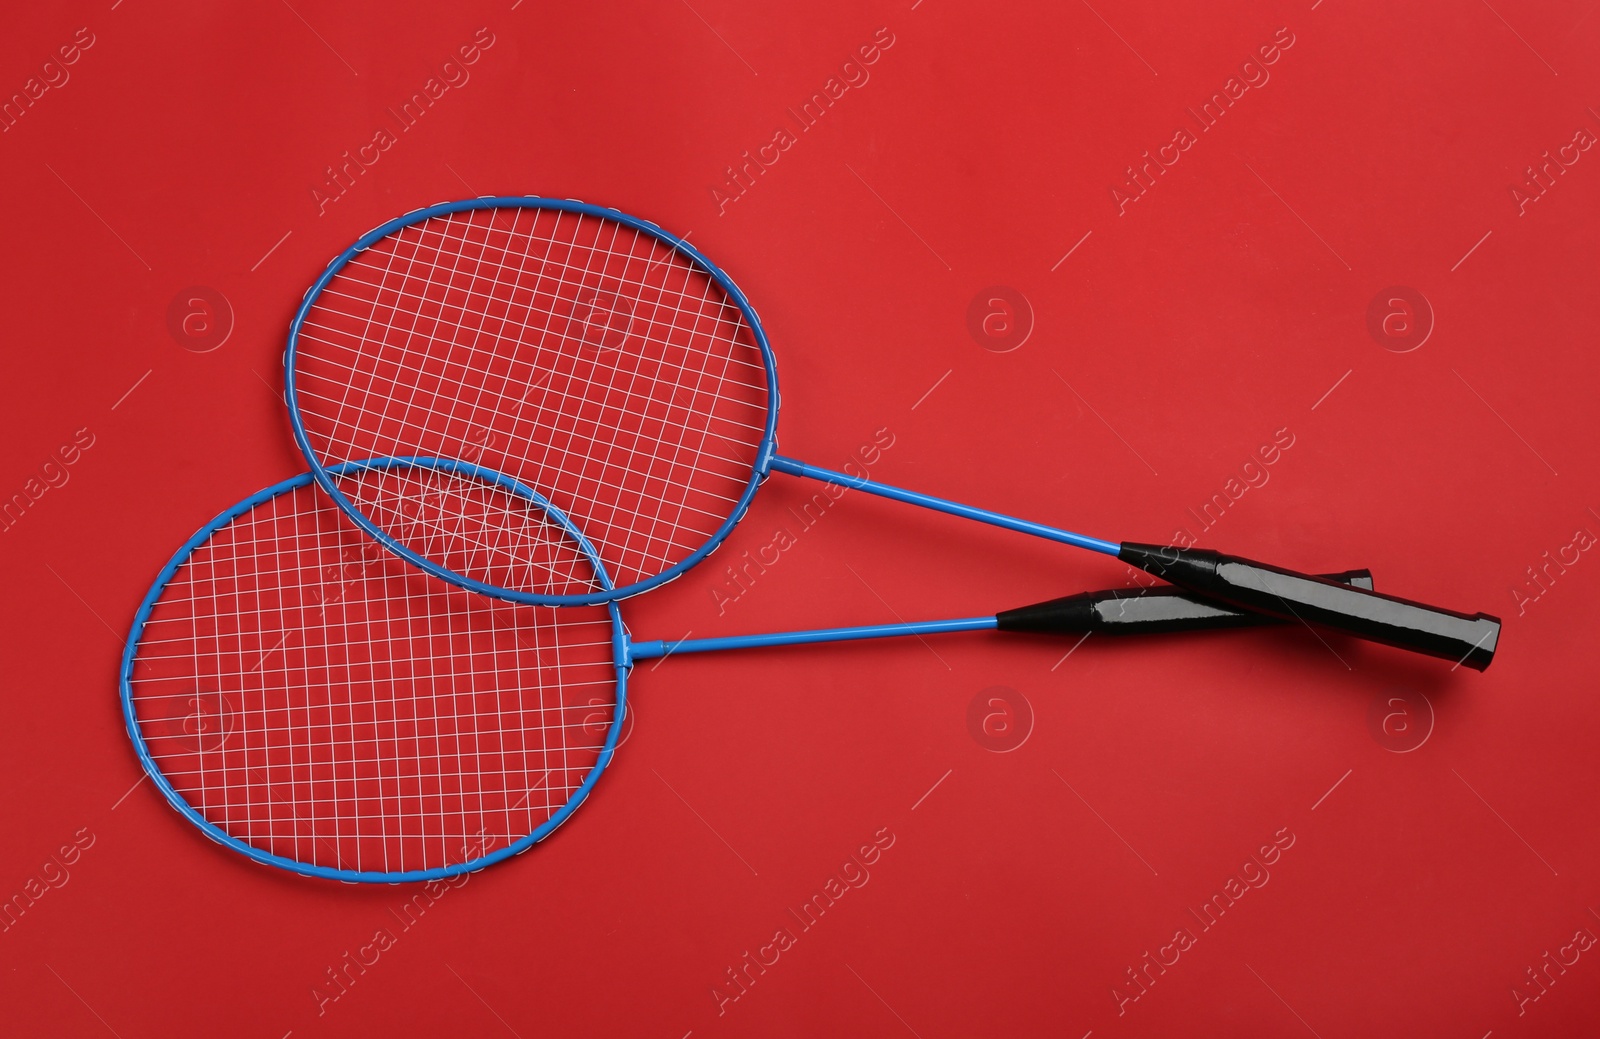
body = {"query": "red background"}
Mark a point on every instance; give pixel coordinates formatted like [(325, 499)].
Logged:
[(1227, 303)]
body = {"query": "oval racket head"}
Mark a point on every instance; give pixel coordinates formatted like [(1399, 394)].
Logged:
[(312, 701), (589, 355)]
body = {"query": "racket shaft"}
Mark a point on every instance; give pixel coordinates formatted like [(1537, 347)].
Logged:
[(1143, 611), (649, 650), (1462, 638), (996, 519)]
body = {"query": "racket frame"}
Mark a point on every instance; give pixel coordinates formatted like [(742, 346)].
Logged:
[(323, 474), (619, 648)]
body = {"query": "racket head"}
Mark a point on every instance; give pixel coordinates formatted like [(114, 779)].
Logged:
[(218, 736), (617, 334)]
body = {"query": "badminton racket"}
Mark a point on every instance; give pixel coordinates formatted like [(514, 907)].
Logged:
[(610, 365), (317, 704)]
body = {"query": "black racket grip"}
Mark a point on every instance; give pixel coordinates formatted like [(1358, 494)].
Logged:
[(1468, 639), (1142, 611)]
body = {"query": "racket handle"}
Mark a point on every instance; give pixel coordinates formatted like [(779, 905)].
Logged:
[(1468, 639), (1142, 611)]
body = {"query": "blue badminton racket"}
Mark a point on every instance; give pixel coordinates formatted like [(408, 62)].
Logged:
[(317, 704), (610, 365)]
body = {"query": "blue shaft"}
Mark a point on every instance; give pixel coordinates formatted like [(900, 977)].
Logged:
[(794, 468), (648, 650)]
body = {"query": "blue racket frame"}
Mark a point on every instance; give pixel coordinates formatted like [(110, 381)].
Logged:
[(321, 473), (621, 658)]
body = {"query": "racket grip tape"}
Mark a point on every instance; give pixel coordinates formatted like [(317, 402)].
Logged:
[(1469, 639), (1142, 611)]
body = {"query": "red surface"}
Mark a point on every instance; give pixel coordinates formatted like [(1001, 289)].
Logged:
[(1229, 302)]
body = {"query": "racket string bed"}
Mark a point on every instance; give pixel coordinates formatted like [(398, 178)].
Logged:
[(575, 419), (314, 701)]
